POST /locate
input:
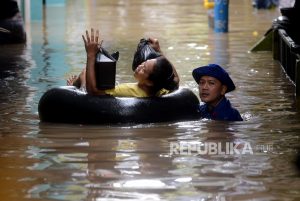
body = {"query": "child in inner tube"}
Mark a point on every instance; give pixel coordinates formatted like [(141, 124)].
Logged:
[(155, 77), (214, 82)]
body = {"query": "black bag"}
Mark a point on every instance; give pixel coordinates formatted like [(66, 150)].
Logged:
[(105, 69), (144, 52)]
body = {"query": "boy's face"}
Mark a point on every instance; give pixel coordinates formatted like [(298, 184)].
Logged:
[(211, 90), (144, 70)]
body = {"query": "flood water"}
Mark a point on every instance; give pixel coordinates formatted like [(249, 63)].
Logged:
[(43, 161)]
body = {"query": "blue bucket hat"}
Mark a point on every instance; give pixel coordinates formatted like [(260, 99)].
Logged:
[(216, 71)]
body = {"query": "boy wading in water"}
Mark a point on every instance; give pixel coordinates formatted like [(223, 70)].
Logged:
[(214, 82)]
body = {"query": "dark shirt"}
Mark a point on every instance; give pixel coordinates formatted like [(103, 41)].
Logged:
[(223, 111), (8, 8)]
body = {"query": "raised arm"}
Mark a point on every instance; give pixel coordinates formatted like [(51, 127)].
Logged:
[(92, 45), (155, 45)]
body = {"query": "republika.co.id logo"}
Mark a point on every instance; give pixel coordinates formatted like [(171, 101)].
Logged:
[(216, 148)]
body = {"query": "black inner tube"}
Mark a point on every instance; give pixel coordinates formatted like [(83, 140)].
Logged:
[(70, 105)]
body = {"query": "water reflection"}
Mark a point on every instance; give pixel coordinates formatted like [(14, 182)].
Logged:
[(107, 161), (102, 161)]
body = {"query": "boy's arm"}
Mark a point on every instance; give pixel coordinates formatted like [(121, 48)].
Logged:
[(92, 46)]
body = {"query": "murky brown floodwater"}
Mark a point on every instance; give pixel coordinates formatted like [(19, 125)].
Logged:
[(42, 161)]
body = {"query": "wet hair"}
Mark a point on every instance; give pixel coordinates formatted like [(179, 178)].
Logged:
[(162, 75)]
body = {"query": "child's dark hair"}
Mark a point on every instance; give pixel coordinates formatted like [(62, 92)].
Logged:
[(163, 75)]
